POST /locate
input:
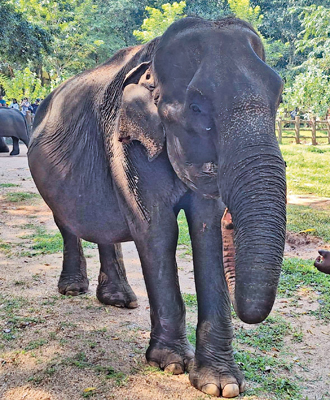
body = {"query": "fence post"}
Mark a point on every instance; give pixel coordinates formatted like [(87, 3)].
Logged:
[(313, 120), (279, 127), (328, 126), (297, 128)]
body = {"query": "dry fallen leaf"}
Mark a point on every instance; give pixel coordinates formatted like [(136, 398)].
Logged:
[(89, 389)]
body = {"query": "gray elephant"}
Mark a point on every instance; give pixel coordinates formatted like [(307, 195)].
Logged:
[(12, 124), (185, 121)]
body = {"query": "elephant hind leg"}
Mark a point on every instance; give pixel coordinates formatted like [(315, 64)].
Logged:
[(73, 280), (3, 147), (15, 151), (113, 287)]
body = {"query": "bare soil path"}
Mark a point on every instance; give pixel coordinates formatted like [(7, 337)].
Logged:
[(62, 348)]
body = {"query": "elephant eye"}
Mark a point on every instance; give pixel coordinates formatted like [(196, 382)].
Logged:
[(194, 107)]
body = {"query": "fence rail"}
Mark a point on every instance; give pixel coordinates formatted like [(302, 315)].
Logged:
[(313, 126)]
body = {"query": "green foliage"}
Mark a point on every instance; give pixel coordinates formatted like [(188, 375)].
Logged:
[(25, 83), (68, 23), (315, 36), (211, 9), (158, 21), (310, 89), (22, 41), (242, 9)]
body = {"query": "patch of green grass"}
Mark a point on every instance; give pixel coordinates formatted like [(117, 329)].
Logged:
[(189, 299), (308, 170), (110, 373), (184, 238), (265, 336), (268, 374), (79, 360), (16, 197), (315, 222), (36, 344), (5, 248), (298, 274), (8, 185), (44, 242), (14, 324)]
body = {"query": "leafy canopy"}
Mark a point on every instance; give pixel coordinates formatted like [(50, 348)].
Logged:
[(158, 21)]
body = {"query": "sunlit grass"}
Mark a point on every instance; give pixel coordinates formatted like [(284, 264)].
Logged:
[(314, 221), (308, 169)]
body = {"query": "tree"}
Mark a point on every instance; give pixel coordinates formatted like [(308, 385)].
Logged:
[(311, 87), (242, 9), (315, 36), (209, 9), (21, 41), (158, 21), (24, 84)]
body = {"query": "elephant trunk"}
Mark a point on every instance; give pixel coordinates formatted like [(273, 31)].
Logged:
[(256, 201)]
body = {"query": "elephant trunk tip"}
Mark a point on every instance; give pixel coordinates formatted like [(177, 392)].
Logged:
[(251, 312)]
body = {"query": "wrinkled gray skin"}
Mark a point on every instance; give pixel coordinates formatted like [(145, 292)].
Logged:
[(183, 122), (12, 124)]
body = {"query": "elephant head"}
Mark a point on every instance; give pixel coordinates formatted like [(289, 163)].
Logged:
[(209, 94)]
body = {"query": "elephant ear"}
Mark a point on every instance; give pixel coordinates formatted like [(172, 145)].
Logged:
[(138, 117)]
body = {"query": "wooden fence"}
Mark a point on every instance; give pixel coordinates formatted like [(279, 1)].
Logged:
[(310, 125)]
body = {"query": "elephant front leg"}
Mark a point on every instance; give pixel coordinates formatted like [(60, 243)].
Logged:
[(215, 371), (169, 348), (113, 287)]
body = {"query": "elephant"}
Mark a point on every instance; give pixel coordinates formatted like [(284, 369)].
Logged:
[(183, 122), (322, 262), (12, 124)]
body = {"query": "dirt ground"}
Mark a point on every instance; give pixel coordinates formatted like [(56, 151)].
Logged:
[(72, 348)]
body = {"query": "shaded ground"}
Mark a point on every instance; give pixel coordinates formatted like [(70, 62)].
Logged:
[(58, 348)]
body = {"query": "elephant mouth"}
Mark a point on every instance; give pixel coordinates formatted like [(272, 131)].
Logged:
[(210, 168), (228, 251), (202, 178)]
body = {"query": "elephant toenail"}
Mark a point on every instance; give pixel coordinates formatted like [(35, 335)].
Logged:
[(230, 390), (242, 387), (211, 389), (174, 369), (133, 304)]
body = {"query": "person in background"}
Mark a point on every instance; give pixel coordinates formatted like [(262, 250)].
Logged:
[(322, 263), (25, 106), (2, 102), (14, 104), (34, 107)]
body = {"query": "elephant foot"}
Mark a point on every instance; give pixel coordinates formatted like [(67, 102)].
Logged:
[(222, 382), (70, 285), (4, 149), (118, 295), (14, 153), (174, 359)]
